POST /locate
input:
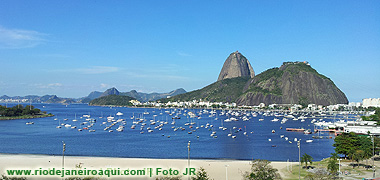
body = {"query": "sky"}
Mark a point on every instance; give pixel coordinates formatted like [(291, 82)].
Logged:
[(71, 48)]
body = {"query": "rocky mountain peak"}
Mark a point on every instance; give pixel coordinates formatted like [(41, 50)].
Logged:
[(111, 91), (236, 65)]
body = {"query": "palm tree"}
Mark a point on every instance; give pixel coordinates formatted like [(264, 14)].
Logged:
[(305, 159), (332, 165)]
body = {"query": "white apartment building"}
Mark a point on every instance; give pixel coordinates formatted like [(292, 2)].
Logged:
[(371, 102)]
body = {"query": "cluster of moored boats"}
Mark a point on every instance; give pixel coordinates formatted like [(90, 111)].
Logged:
[(192, 122)]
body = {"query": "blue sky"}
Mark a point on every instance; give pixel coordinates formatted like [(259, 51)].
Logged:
[(70, 48)]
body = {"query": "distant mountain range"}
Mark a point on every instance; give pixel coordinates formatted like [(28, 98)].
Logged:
[(142, 97), (38, 99)]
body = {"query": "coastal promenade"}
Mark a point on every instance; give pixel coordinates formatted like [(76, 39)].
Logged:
[(216, 169)]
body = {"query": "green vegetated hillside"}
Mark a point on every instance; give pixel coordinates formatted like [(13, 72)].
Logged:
[(292, 83), (227, 90), (115, 100)]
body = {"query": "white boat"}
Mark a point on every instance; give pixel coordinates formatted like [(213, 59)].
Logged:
[(227, 120), (289, 116), (275, 120), (75, 119), (110, 118), (309, 140), (307, 131)]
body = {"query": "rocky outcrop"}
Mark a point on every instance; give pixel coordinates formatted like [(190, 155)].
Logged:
[(111, 91), (236, 65), (55, 99), (94, 95)]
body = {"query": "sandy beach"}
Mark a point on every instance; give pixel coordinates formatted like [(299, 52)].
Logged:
[(215, 168)]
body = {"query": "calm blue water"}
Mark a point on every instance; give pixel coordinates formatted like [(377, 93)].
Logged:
[(44, 138)]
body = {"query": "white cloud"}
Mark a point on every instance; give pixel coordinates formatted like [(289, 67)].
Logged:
[(48, 86), (17, 38), (103, 86), (98, 70)]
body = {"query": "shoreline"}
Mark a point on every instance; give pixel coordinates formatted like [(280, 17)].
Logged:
[(215, 168), (29, 117), (192, 158)]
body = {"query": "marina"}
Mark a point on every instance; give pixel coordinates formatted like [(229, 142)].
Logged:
[(164, 133)]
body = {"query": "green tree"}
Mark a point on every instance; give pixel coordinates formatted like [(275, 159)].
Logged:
[(261, 170), (332, 164), (357, 156), (374, 117), (366, 147), (201, 175), (346, 143), (306, 159)]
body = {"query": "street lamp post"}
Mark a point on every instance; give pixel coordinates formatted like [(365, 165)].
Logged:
[(63, 154), (188, 159), (339, 167), (299, 158), (226, 172)]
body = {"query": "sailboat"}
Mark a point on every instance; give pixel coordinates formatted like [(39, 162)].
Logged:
[(75, 118), (146, 112), (59, 122), (80, 127), (229, 134)]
